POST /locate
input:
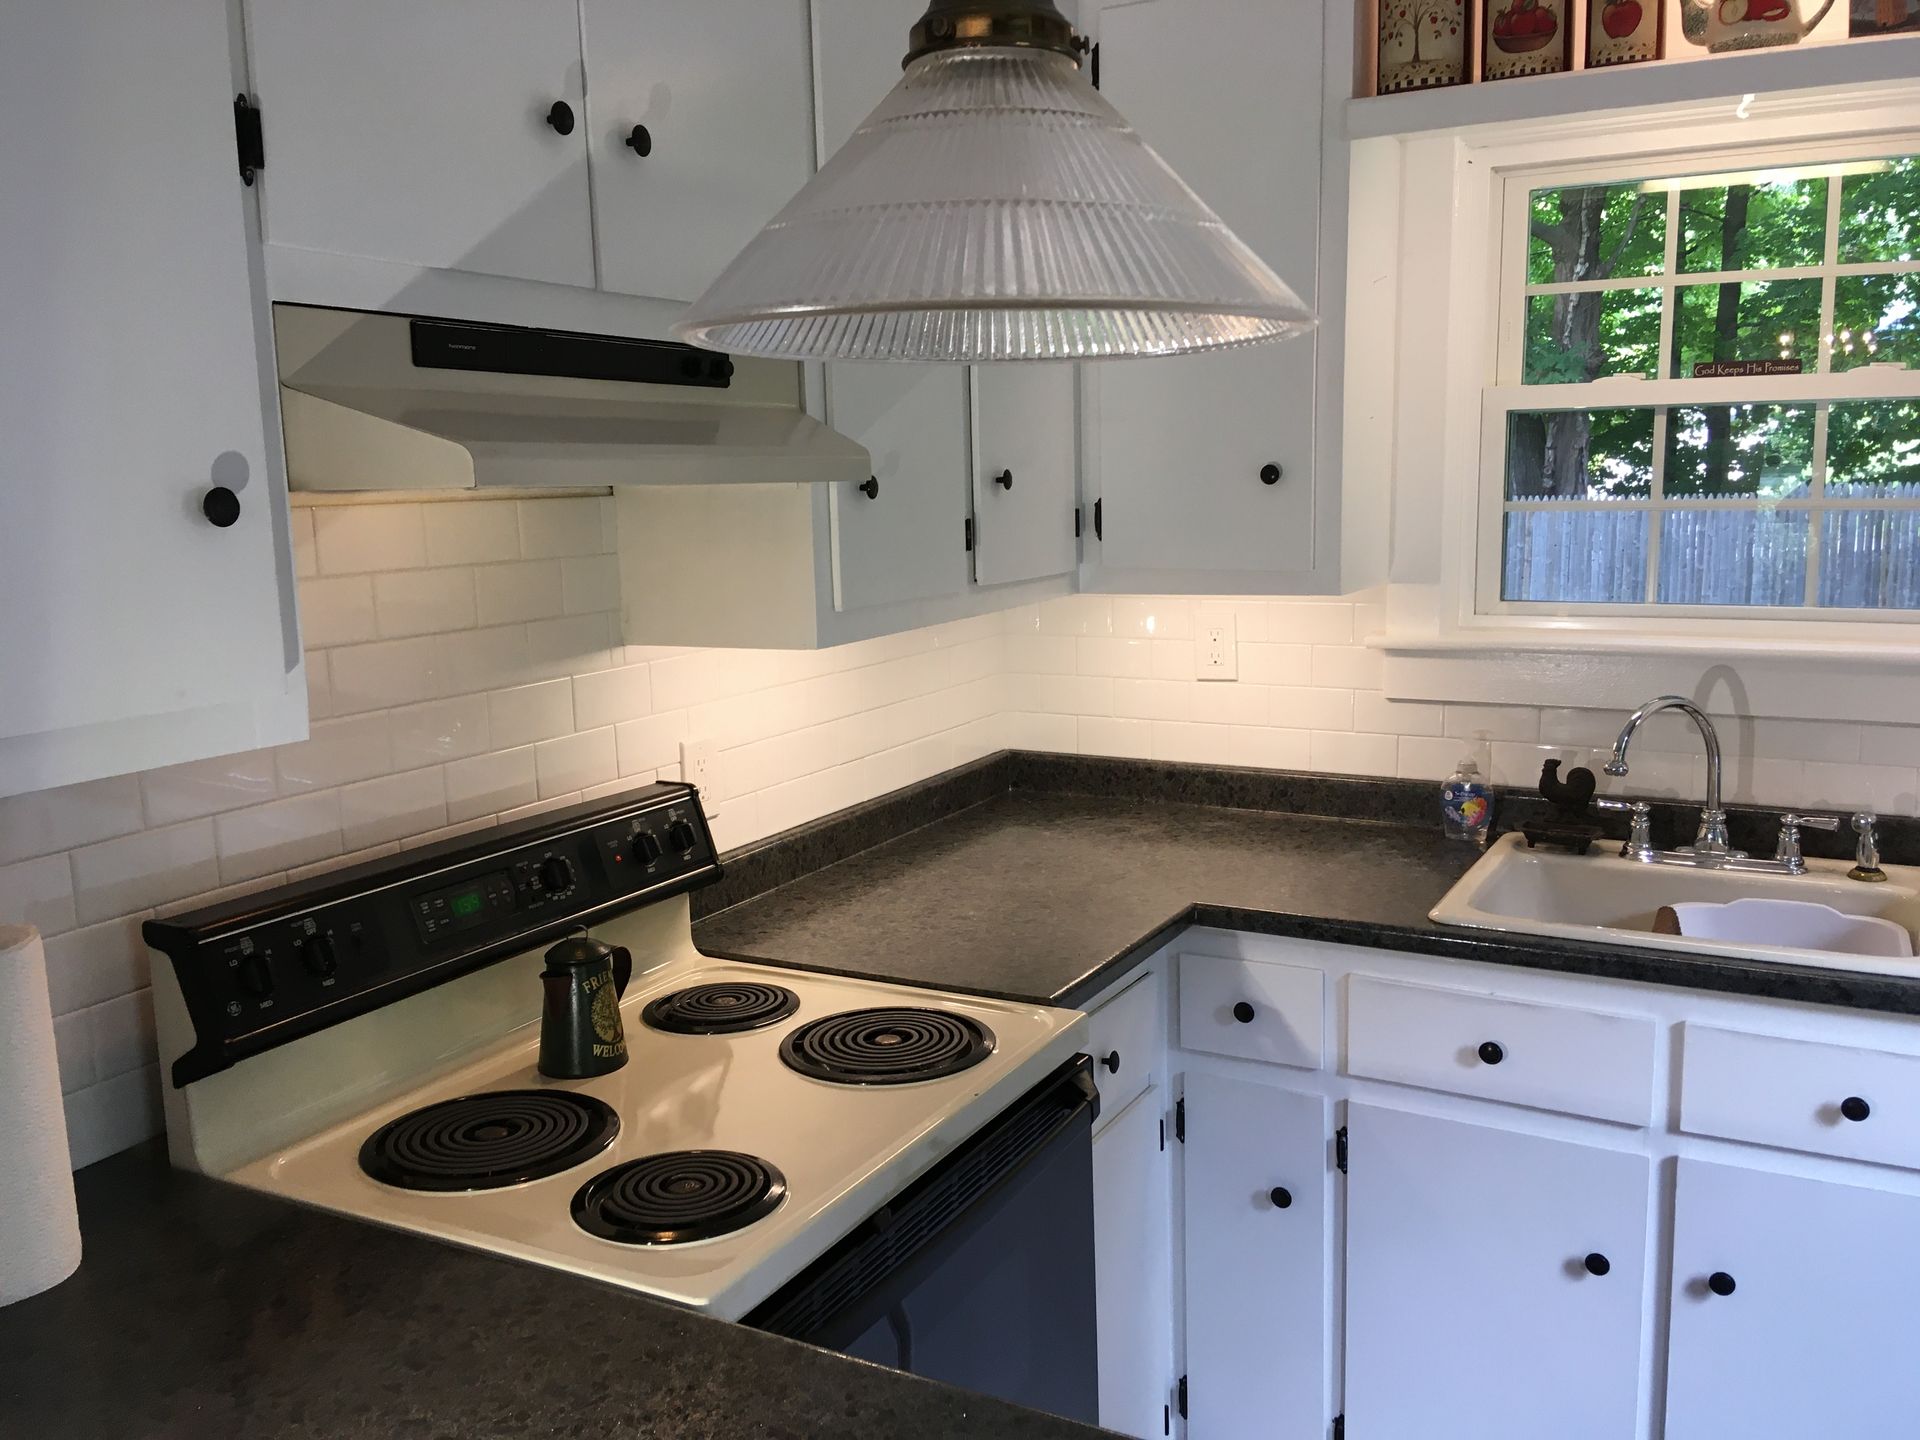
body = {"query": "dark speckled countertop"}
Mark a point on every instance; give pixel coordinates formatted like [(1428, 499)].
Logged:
[(1043, 892), (206, 1312)]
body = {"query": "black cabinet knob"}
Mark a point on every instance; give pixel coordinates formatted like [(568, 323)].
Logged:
[(1243, 1012), (221, 506), (1270, 474), (1597, 1264), (1112, 1062), (1854, 1108), (1280, 1196), (870, 487), (1491, 1054), (640, 141), (560, 117), (1720, 1283), (1004, 479)]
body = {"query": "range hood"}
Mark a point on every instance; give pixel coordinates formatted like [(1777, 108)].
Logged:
[(394, 402)]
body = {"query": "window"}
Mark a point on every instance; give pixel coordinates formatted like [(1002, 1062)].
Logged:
[(1710, 394)]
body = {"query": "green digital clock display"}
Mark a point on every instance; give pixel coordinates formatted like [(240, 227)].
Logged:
[(467, 902)]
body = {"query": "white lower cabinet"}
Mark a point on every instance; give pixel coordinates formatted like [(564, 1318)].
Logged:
[(1816, 1329), (1473, 1306), (1254, 1196), (1133, 1274)]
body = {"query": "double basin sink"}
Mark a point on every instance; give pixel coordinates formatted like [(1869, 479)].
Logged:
[(1604, 897)]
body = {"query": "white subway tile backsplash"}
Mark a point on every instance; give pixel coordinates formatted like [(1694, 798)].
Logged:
[(1350, 753), (1153, 699), (1282, 664), (120, 1111), (438, 731), (589, 583), (1883, 789), (1308, 707), (1174, 660), (387, 673), (472, 532), (1879, 745), (1493, 722), (337, 610), (38, 893), (606, 697), (1373, 711), (393, 807), (354, 539), (489, 784), (1310, 622), (122, 1034), (278, 835), (1153, 617), (1114, 655), (136, 872), (1195, 744), (523, 590), (206, 787), (570, 645), (1269, 748), (300, 527), (1426, 757), (1105, 735), (73, 1047), (336, 752), (51, 820), (423, 602), (475, 660), (651, 743), (1227, 703), (1350, 667), (91, 966), (529, 713), (552, 528), (573, 762)]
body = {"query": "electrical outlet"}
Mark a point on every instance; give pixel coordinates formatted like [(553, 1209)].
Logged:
[(1215, 654), (700, 768)]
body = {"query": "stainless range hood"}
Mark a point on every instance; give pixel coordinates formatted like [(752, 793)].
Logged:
[(392, 402)]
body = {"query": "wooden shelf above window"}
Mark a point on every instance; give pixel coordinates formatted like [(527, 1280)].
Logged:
[(1849, 66)]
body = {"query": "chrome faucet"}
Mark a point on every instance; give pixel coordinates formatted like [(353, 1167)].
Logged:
[(1711, 847)]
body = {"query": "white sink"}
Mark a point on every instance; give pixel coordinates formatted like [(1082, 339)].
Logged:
[(1601, 897)]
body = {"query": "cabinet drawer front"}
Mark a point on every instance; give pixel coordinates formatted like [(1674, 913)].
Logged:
[(1253, 1009), (1800, 1095), (1126, 1043), (1546, 1056)]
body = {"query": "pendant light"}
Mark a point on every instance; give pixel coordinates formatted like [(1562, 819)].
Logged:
[(993, 207)]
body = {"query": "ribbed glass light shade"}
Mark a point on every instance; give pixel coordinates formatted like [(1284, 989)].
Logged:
[(994, 207)]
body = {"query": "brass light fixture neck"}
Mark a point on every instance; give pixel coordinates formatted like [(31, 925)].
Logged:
[(959, 24)]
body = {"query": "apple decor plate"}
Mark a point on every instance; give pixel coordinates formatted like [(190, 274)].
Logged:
[(1623, 32), (1525, 37)]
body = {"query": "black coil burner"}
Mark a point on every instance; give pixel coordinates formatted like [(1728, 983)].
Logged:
[(892, 1046), (482, 1142), (682, 1195), (724, 1008)]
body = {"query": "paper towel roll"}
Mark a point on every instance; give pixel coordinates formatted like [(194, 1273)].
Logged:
[(39, 1226)]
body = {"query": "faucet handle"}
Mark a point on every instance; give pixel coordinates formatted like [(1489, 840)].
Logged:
[(1639, 844), (1788, 848)]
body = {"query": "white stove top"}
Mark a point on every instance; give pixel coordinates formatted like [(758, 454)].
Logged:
[(844, 1150)]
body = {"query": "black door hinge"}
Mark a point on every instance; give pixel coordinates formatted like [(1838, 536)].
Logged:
[(969, 534), (1340, 1149), (1339, 1427), (1163, 1134), (1166, 1419), (1093, 66), (247, 138), (1180, 1399), (1180, 1122), (1076, 522), (1096, 518)]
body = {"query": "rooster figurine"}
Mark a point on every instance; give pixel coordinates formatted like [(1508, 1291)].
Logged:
[(1570, 796), (1571, 825)]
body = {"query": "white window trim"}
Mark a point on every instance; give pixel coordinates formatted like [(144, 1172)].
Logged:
[(1439, 303)]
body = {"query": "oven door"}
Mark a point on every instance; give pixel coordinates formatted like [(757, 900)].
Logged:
[(980, 1274)]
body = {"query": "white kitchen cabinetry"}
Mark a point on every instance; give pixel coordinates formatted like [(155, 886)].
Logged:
[(1024, 482), (1473, 1306), (722, 93), (1816, 1333), (1132, 1270), (1229, 92), (1256, 1225), (133, 631), (420, 133)]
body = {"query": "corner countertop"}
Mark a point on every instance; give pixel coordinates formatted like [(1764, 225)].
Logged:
[(203, 1311), (1049, 896)]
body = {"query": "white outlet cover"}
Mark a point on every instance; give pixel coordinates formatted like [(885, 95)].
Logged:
[(700, 767), (1216, 651)]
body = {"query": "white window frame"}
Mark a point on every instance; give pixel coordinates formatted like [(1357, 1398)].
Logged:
[(1818, 387)]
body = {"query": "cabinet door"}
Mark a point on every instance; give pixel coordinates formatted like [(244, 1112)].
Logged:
[(909, 541), (1181, 442), (723, 90), (418, 133), (1817, 1337), (1470, 1310), (1133, 1274), (136, 387), (1023, 429), (1257, 1271)]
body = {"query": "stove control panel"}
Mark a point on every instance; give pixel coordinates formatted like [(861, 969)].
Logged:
[(257, 972)]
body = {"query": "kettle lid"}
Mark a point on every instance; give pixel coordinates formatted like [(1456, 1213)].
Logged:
[(579, 950)]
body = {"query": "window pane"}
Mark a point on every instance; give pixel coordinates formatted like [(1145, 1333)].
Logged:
[(1753, 227), (1579, 454), (1751, 320), (1591, 334), (1876, 317), (1880, 214), (1752, 450), (1733, 557), (1873, 450), (1592, 557), (1595, 232), (1870, 559)]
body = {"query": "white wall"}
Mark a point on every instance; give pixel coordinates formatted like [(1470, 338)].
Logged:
[(466, 668)]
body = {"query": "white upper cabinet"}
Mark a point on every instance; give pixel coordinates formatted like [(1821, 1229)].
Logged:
[(447, 134), (1024, 485), (1180, 449), (699, 128), (134, 631)]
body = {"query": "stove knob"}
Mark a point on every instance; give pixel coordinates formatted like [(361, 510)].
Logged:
[(319, 956), (556, 874), (647, 846), (255, 978), (680, 835)]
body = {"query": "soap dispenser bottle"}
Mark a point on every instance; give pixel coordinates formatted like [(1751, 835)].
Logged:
[(1466, 804)]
